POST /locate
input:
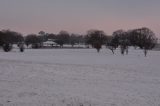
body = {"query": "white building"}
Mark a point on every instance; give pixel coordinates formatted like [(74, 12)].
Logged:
[(49, 43)]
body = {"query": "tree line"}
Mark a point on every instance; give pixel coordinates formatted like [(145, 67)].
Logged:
[(144, 38), (63, 37)]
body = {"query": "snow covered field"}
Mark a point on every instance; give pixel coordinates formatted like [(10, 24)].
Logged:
[(72, 77)]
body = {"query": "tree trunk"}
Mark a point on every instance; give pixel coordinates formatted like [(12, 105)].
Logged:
[(145, 52), (98, 50)]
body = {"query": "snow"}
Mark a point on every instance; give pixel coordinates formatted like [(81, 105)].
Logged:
[(71, 77)]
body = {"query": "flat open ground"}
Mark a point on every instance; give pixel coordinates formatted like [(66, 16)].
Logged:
[(72, 77)]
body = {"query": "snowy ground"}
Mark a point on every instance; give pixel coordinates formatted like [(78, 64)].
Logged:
[(72, 77)]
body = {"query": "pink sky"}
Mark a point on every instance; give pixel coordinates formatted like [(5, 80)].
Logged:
[(78, 16)]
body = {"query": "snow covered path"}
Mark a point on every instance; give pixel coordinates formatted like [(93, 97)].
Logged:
[(62, 77)]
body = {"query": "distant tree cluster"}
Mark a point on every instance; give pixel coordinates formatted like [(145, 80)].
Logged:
[(34, 40), (144, 38), (63, 37), (8, 38)]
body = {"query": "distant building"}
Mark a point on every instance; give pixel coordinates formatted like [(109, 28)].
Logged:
[(50, 43)]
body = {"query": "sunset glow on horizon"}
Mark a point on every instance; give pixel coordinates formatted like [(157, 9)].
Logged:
[(78, 16)]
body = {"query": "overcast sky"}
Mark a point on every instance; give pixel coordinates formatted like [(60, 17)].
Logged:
[(78, 16)]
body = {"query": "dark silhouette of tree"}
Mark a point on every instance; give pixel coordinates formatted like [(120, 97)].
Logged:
[(133, 37), (120, 38), (74, 39), (51, 36), (112, 43), (21, 47), (96, 38), (42, 33), (2, 38), (43, 36), (62, 38), (8, 37), (7, 47), (11, 37), (143, 38), (33, 40)]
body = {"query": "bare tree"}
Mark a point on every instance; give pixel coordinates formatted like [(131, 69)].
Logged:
[(120, 38), (62, 38), (111, 44), (96, 38), (34, 40), (144, 38)]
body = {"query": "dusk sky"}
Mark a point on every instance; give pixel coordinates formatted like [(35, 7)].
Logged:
[(78, 16)]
